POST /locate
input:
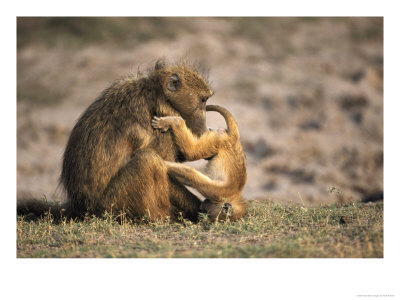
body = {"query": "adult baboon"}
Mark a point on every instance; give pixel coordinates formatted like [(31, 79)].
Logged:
[(226, 165), (114, 159)]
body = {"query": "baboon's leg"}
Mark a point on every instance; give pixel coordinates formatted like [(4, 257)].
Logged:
[(143, 188), (183, 201), (192, 147), (140, 188)]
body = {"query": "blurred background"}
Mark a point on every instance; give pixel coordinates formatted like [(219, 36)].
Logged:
[(307, 94)]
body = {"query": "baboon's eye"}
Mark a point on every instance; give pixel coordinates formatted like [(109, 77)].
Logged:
[(174, 83), (204, 100), (227, 209)]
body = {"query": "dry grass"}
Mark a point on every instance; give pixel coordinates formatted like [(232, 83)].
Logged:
[(268, 230)]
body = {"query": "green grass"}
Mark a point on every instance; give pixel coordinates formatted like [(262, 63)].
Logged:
[(268, 230)]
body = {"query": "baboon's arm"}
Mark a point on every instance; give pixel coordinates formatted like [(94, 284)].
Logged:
[(213, 189), (192, 147)]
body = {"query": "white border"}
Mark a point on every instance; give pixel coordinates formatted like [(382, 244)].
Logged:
[(191, 278)]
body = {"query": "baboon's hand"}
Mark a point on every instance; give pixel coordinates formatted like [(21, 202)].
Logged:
[(160, 123)]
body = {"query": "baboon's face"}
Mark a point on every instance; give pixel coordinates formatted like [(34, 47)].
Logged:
[(188, 93), (217, 210)]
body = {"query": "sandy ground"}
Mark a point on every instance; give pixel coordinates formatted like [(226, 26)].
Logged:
[(307, 94)]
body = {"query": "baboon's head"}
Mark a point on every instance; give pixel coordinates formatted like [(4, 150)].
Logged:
[(216, 210), (187, 92)]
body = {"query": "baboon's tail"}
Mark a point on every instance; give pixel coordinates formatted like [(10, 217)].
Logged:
[(35, 208), (230, 121)]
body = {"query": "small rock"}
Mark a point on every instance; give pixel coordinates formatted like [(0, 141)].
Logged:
[(345, 220)]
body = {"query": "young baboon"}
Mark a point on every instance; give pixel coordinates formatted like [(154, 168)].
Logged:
[(115, 161), (226, 165)]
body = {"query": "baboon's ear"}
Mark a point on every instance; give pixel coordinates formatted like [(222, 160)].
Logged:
[(174, 83)]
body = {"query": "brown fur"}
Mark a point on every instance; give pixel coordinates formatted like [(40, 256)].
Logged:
[(115, 161), (226, 165)]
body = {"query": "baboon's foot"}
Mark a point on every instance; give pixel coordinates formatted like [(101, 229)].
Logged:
[(160, 123), (164, 123)]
